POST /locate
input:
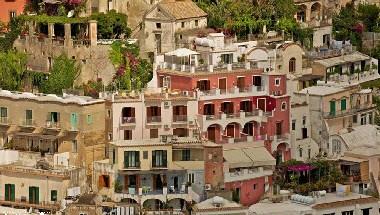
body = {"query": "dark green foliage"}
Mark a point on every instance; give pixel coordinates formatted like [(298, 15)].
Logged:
[(12, 70), (112, 25), (62, 75)]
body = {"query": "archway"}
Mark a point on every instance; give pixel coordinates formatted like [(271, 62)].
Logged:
[(213, 133), (248, 128), (301, 13), (177, 203), (129, 201), (315, 11), (282, 152), (232, 130), (153, 204)]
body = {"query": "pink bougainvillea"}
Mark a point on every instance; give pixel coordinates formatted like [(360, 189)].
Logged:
[(73, 2)]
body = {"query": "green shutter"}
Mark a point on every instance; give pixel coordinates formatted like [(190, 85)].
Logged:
[(332, 108), (343, 104), (13, 197), (6, 192), (154, 159), (37, 195), (31, 195)]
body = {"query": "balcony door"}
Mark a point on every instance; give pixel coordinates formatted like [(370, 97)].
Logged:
[(278, 128), (222, 85), (9, 192), (158, 182), (241, 83), (227, 107), (261, 104), (208, 109), (34, 195), (332, 108), (203, 85), (230, 130)]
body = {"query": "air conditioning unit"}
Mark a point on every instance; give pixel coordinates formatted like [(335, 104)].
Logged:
[(207, 187), (166, 126)]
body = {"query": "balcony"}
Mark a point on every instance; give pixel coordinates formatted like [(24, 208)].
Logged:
[(153, 119), (246, 174), (23, 203), (231, 92), (4, 120), (179, 118), (127, 120), (28, 123), (53, 125), (353, 110), (241, 117)]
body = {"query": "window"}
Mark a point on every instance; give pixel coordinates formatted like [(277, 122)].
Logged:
[(355, 119), (196, 23), (329, 214), (336, 146), (3, 115), (304, 120), (9, 192), (113, 156), (366, 211), (127, 134), (159, 158), (74, 146), (186, 155), (343, 104), (53, 195), (190, 178), (227, 58), (363, 119), (292, 64), (254, 186), (158, 25), (145, 154), (277, 81), (34, 195), (283, 106), (109, 113), (12, 14), (309, 153), (348, 213), (182, 24), (293, 124), (300, 152), (28, 117), (89, 119), (109, 136), (153, 133), (131, 159)]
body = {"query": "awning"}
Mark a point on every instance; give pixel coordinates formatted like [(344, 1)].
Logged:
[(351, 160), (248, 157), (181, 52)]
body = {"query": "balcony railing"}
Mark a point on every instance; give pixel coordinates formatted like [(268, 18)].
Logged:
[(232, 91), (128, 119), (51, 124), (24, 203), (233, 115), (4, 120), (179, 118), (153, 119), (28, 122), (213, 117), (159, 165), (353, 110)]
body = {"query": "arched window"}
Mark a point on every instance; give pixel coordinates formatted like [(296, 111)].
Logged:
[(283, 106), (292, 64)]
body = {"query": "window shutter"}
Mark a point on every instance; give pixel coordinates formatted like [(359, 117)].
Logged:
[(30, 194), (13, 197), (7, 192), (137, 159), (154, 158), (126, 159), (37, 195), (164, 158)]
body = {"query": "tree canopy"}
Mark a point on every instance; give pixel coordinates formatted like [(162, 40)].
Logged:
[(12, 70), (112, 25), (62, 75)]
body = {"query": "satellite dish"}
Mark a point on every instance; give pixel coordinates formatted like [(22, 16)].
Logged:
[(70, 13)]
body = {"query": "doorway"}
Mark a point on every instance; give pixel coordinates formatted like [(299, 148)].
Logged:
[(241, 84), (223, 85), (261, 104), (304, 133)]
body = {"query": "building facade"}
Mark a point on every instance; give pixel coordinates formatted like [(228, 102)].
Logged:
[(11, 9)]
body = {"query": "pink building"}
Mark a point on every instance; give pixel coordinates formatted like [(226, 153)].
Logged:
[(11, 8)]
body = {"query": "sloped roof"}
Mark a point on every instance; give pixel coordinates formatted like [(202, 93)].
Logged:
[(247, 156), (182, 9)]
